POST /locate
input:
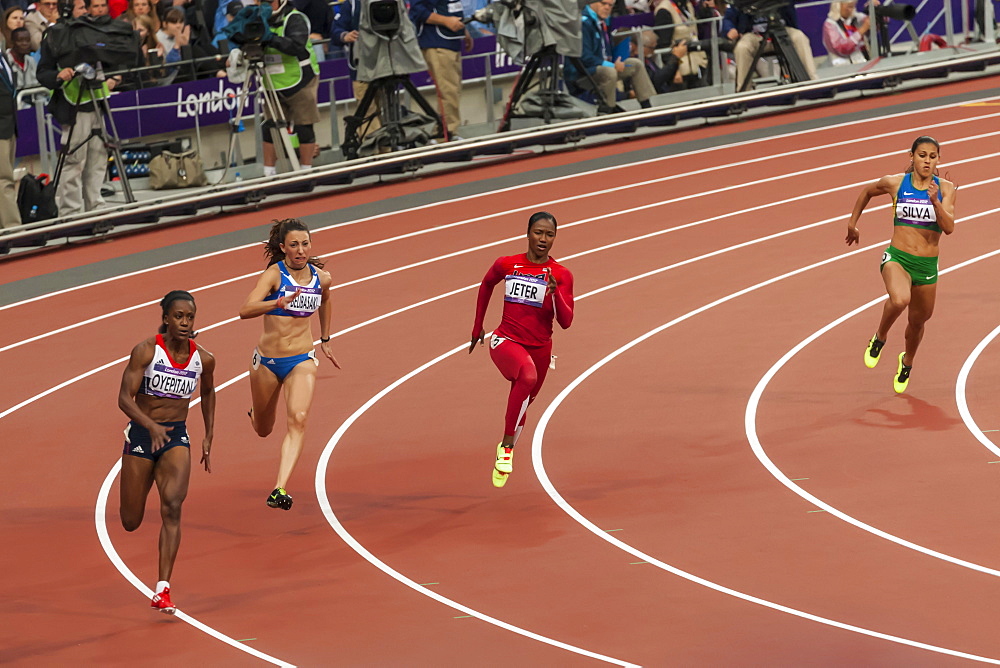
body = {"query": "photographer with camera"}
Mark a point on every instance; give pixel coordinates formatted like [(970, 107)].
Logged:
[(441, 34), (290, 61), (674, 25), (750, 27), (596, 59), (64, 68), (844, 34)]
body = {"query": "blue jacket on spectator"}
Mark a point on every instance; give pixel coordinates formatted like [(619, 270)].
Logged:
[(597, 50), (744, 22), (346, 18), (435, 36)]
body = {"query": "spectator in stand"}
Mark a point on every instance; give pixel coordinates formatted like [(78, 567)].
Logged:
[(161, 7), (844, 34), (748, 30), (172, 36), (674, 23), (663, 69), (151, 55), (13, 19), (596, 59), (97, 8), (138, 8), (441, 35), (9, 215), (25, 67), (37, 22)]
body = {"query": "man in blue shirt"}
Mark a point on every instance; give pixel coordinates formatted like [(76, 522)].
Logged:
[(596, 60)]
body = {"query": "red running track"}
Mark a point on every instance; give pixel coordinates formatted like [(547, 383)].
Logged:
[(867, 540)]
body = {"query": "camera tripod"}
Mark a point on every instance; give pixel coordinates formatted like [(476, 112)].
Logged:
[(777, 36), (111, 140), (281, 129), (543, 65), (389, 110)]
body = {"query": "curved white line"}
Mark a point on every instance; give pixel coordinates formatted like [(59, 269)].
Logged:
[(960, 399), (109, 549), (331, 518), (590, 526), (750, 424), (553, 180)]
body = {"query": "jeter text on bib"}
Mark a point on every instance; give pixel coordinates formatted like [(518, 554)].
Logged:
[(525, 290)]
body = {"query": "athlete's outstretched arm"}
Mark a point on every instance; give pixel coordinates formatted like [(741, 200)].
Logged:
[(884, 186), (207, 405), (493, 276), (324, 318)]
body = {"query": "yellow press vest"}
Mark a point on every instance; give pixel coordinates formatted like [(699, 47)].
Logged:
[(286, 70)]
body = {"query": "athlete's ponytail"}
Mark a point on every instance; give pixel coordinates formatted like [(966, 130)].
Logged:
[(276, 237), (168, 301)]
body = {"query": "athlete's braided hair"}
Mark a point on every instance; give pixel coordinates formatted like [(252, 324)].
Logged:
[(542, 215), (276, 237), (168, 301)]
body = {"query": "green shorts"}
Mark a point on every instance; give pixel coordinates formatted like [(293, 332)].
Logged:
[(922, 270)]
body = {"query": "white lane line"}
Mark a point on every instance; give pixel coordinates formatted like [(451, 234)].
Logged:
[(750, 423), (611, 214), (960, 393), (597, 531), (109, 549), (87, 374), (324, 461), (554, 180), (331, 518)]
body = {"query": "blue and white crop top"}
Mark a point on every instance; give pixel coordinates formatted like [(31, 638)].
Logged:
[(163, 378), (912, 207), (308, 301)]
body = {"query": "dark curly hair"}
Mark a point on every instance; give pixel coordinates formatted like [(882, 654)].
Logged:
[(280, 230)]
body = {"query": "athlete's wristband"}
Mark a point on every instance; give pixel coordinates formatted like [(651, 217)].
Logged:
[(326, 340)]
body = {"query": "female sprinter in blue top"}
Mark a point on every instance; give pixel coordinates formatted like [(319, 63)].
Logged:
[(156, 389), (291, 289), (923, 209)]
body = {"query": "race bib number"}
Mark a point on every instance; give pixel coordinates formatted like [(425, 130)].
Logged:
[(525, 290)]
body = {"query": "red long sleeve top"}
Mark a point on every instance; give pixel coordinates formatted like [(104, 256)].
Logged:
[(528, 308)]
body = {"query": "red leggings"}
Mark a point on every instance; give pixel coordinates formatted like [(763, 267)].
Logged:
[(525, 367)]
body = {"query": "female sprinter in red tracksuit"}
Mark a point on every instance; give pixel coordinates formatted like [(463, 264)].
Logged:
[(537, 289)]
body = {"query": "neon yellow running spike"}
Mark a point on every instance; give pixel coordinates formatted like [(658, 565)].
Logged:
[(505, 459), (902, 377), (499, 479), (873, 351)]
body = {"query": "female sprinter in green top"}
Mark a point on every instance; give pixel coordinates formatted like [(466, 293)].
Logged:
[(923, 209)]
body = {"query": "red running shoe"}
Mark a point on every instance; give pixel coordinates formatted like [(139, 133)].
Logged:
[(161, 602)]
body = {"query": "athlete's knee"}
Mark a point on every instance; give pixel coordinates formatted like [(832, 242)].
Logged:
[(131, 521), (899, 301), (297, 420), (527, 375), (170, 509), (263, 429)]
